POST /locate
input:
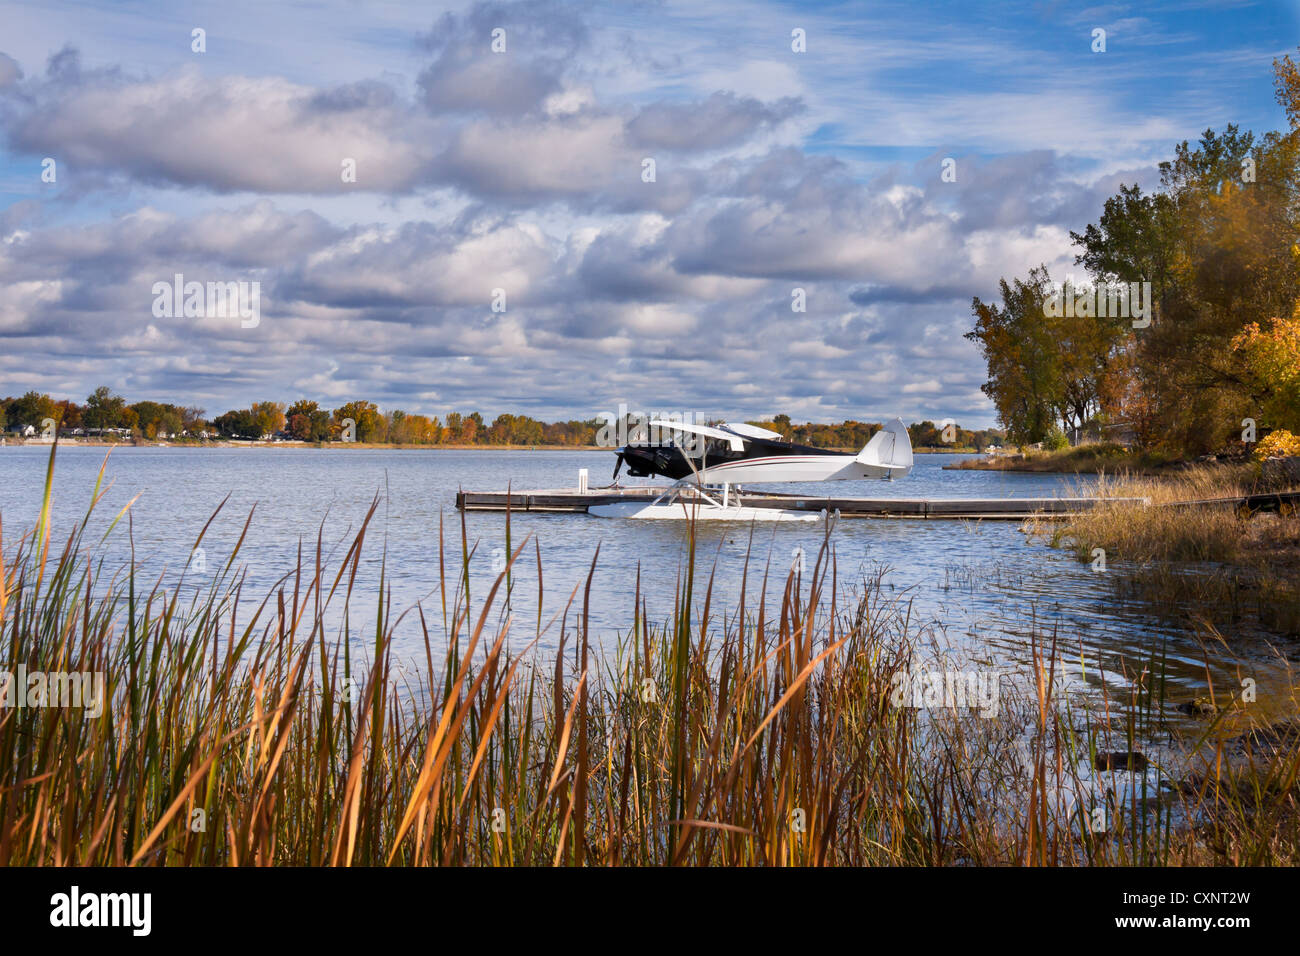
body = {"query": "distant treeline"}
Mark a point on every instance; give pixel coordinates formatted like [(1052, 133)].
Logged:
[(109, 415), (1203, 352)]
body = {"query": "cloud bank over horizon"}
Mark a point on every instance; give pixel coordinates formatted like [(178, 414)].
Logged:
[(647, 191)]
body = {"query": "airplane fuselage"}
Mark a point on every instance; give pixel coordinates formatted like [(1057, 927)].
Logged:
[(760, 461)]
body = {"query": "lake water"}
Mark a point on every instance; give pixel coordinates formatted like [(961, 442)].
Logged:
[(983, 588)]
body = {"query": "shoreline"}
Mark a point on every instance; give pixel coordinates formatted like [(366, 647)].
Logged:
[(325, 446), (384, 446), (1083, 460)]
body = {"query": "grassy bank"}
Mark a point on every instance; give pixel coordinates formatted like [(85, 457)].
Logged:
[(1206, 562), (712, 736), (1079, 460)]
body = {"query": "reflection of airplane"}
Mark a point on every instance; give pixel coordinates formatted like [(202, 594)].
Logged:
[(738, 453)]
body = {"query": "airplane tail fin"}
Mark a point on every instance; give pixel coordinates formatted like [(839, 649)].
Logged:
[(889, 448)]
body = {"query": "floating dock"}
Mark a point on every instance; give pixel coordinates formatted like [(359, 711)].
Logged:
[(578, 500), (572, 500)]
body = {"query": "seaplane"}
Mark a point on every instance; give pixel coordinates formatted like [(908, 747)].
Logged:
[(706, 461)]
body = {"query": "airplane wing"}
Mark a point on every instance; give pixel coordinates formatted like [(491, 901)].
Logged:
[(752, 431), (736, 442)]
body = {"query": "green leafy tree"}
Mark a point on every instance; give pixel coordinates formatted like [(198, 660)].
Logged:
[(307, 421), (104, 409), (1056, 440), (454, 428), (238, 423), (509, 429), (157, 420), (33, 408), (1022, 357)]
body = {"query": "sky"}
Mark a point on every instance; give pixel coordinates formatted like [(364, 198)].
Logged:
[(561, 207)]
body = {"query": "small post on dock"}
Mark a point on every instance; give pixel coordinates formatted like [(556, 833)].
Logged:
[(582, 481)]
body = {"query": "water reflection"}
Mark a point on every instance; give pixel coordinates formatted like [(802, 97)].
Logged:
[(982, 589)]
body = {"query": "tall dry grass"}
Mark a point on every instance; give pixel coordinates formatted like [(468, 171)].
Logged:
[(1190, 550), (1152, 522), (714, 737)]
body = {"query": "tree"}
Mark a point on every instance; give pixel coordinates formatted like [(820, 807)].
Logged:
[(69, 414), (1047, 362), (471, 428), (924, 435), (33, 408), (307, 421), (430, 429), (157, 420), (1215, 242), (515, 430), (238, 423), (452, 432), (192, 420), (370, 425), (1272, 363), (1287, 89), (404, 429), (1022, 357), (269, 417), (104, 409)]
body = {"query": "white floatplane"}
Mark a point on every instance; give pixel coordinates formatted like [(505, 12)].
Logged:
[(714, 458)]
